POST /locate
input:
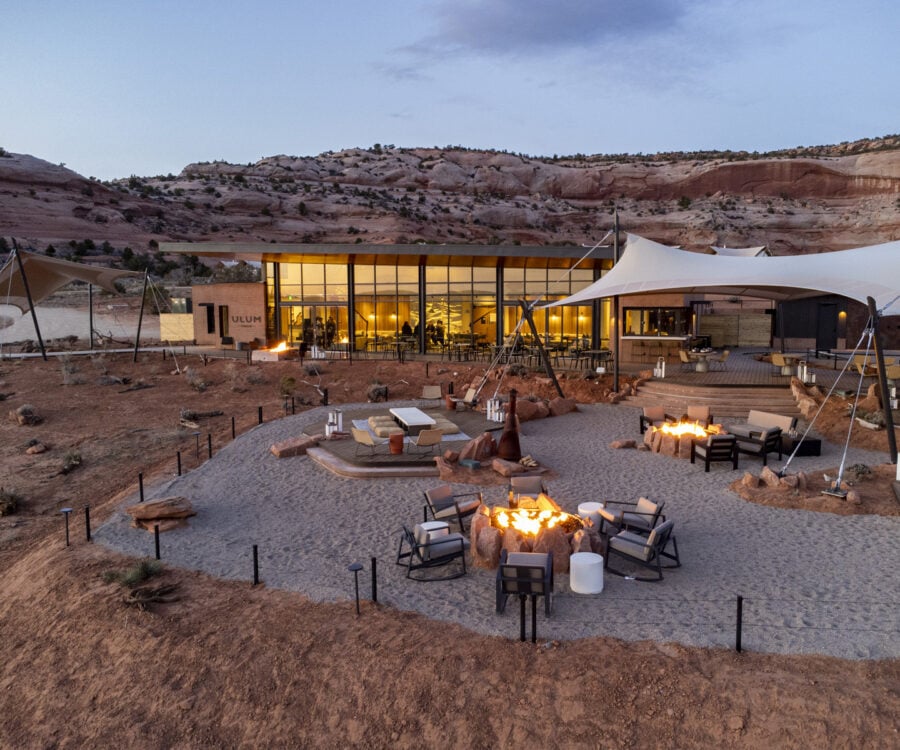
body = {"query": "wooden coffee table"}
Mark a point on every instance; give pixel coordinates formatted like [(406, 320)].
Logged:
[(411, 419)]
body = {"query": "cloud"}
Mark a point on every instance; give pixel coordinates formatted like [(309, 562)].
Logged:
[(513, 27)]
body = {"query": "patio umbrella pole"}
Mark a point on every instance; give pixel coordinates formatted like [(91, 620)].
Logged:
[(882, 383)]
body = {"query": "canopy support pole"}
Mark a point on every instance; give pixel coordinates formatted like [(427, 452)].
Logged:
[(615, 310), (37, 328), (882, 383), (91, 316), (545, 359), (137, 338)]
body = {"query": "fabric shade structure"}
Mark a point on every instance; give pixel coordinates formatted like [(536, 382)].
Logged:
[(46, 275), (647, 267), (741, 252)]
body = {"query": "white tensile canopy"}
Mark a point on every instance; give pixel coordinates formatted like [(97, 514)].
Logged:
[(741, 252), (46, 275), (647, 267)]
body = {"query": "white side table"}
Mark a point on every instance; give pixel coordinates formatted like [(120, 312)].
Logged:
[(586, 573), (591, 511)]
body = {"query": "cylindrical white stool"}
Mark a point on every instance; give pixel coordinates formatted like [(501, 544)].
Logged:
[(586, 573), (590, 511)]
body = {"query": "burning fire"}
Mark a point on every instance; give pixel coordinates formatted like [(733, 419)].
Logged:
[(530, 521), (282, 347), (694, 429)]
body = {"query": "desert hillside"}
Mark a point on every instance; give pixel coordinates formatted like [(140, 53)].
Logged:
[(802, 200)]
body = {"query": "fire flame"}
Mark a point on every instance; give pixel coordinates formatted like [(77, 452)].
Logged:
[(529, 522), (694, 429), (282, 347)]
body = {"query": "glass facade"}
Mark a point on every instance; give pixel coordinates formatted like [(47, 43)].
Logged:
[(428, 302), (657, 321)]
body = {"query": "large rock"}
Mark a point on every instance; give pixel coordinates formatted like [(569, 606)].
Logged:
[(445, 469), (295, 446), (559, 406), (619, 444), (526, 410), (507, 468), (750, 480), (555, 540), (769, 477), (515, 541), (480, 448), (581, 542), (167, 512), (25, 415)]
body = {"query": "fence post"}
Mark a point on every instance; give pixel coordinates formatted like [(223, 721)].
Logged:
[(375, 580), (141, 485), (156, 539), (255, 565), (87, 521), (737, 630), (259, 410)]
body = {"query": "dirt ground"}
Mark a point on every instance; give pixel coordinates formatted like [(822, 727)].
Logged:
[(227, 665)]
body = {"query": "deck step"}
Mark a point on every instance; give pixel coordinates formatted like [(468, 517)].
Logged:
[(723, 402)]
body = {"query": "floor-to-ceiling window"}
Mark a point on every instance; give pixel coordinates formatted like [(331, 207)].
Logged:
[(460, 302), (313, 303), (386, 303)]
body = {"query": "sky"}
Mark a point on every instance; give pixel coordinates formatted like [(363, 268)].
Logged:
[(116, 88)]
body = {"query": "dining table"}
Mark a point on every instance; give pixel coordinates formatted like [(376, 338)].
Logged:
[(701, 359)]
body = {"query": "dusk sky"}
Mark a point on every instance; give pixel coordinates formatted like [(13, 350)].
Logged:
[(119, 88)]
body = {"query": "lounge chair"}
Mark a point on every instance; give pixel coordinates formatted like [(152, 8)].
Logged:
[(525, 574), (444, 505), (716, 448), (761, 444), (429, 439), (701, 414), (646, 551), (639, 517), (367, 439), (425, 548), (687, 364), (654, 415), (720, 361), (528, 486), (432, 392), (470, 400)]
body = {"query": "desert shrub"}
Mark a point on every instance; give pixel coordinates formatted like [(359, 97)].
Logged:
[(134, 575), (287, 385), (195, 379), (9, 502), (70, 371), (312, 369), (100, 363), (861, 471), (71, 460), (255, 376)]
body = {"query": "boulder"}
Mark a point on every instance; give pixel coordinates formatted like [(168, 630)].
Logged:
[(614, 398), (769, 477), (581, 542), (802, 480), (296, 446), (559, 406), (750, 480), (445, 470), (165, 512), (25, 415), (527, 411), (486, 548), (480, 448), (668, 445), (507, 468), (451, 456), (790, 481), (514, 541), (32, 450), (620, 444), (854, 498), (554, 540)]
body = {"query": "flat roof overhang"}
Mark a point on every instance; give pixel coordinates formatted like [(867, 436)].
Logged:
[(368, 253)]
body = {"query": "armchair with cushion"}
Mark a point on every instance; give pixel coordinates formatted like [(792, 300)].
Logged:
[(686, 362), (700, 413), (426, 548), (444, 505), (654, 415), (469, 401), (646, 551), (715, 448), (525, 574), (761, 444), (529, 486), (639, 517)]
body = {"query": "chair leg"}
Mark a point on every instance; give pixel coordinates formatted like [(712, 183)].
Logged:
[(533, 618)]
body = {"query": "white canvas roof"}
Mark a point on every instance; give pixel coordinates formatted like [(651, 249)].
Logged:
[(46, 275), (647, 267), (743, 252)]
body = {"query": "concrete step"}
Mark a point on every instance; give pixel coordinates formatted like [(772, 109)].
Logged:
[(724, 402)]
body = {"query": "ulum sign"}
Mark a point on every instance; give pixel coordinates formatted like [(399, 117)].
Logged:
[(246, 319)]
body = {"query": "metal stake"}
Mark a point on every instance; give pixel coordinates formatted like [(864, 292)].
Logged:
[(260, 414), (65, 512), (255, 565), (141, 485), (209, 443), (178, 456), (156, 539), (375, 579), (356, 567), (87, 521), (232, 428), (737, 630)]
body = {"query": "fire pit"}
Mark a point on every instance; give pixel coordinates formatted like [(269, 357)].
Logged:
[(537, 525), (275, 354), (675, 438)]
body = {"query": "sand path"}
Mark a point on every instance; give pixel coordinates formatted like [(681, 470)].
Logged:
[(813, 583)]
